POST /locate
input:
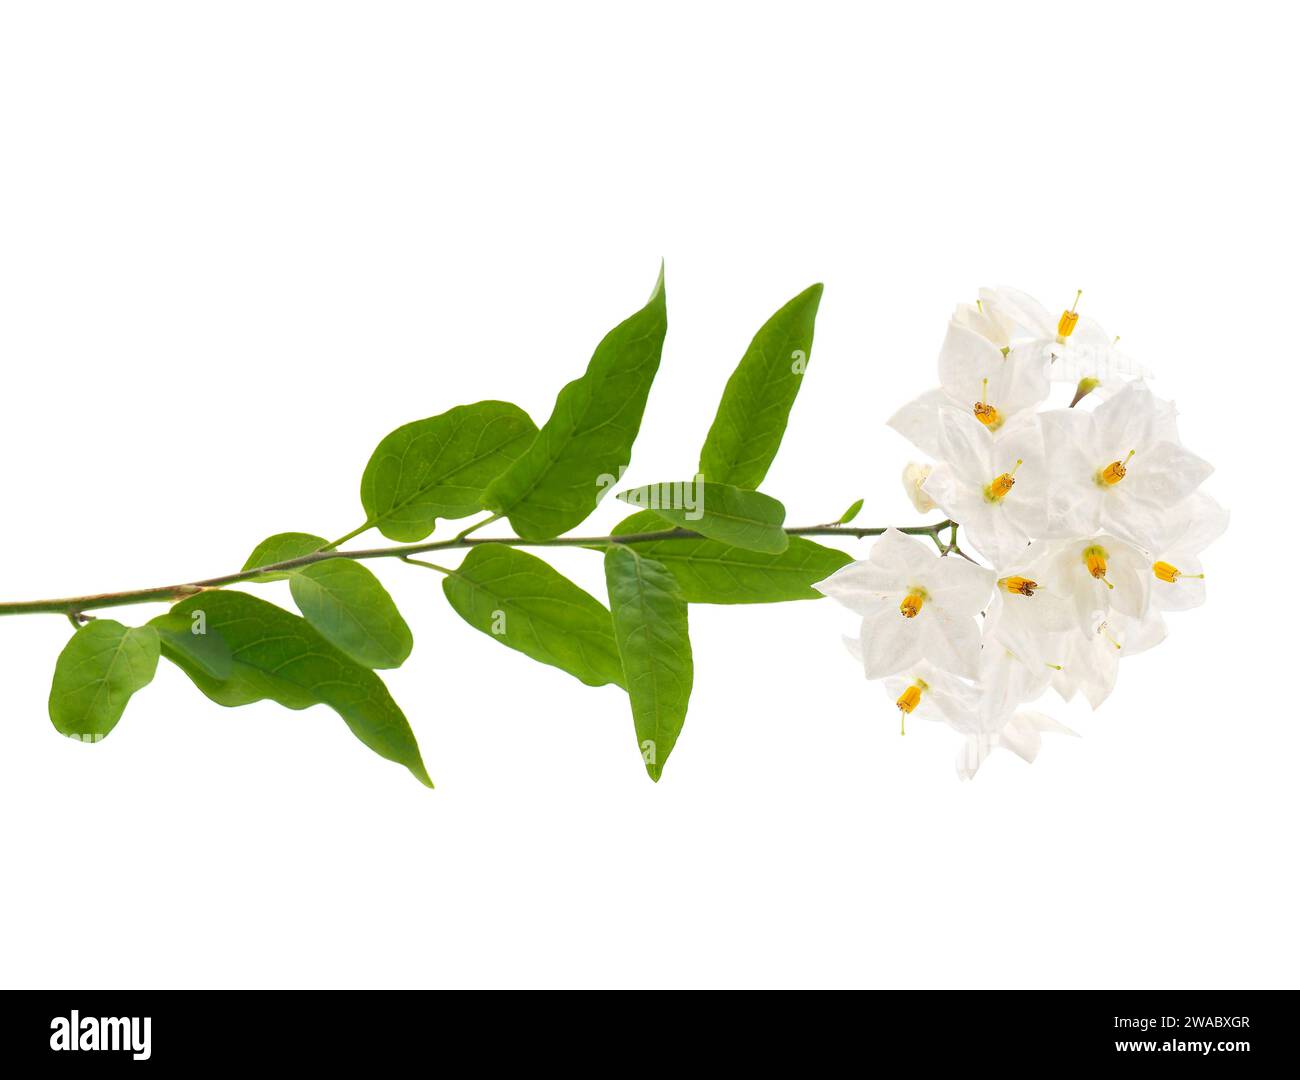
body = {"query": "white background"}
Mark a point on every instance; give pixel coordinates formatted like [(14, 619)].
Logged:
[(241, 242)]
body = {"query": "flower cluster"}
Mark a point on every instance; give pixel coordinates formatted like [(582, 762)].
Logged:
[(1090, 518)]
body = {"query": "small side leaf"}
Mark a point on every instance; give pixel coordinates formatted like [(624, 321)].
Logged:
[(650, 626), (351, 609), (743, 519), (755, 406), (281, 548), (96, 674), (522, 602), (588, 439), (278, 656), (438, 468), (710, 572), (851, 512)]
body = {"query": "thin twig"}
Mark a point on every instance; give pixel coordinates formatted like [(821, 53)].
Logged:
[(77, 605)]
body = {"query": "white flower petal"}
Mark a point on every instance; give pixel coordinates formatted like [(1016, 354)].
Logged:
[(890, 642), (950, 642), (918, 421)]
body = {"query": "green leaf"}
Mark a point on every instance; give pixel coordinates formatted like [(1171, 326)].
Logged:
[(755, 406), (651, 629), (340, 598), (278, 656), (587, 441), (710, 572), (207, 650), (438, 468), (851, 512), (97, 672), (743, 519), (281, 548), (524, 603), (351, 609)]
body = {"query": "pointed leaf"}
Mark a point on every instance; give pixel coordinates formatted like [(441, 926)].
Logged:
[(851, 512), (710, 572), (279, 656), (650, 626), (97, 672), (524, 603), (438, 468), (587, 441), (743, 519), (348, 605), (755, 406)]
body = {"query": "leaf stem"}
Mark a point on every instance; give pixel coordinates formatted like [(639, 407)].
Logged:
[(348, 536), (76, 605)]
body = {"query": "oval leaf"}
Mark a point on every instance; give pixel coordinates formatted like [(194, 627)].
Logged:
[(587, 441), (743, 519), (851, 512), (278, 656), (351, 609), (281, 548), (650, 627), (96, 674), (438, 468), (755, 407), (524, 603), (710, 572)]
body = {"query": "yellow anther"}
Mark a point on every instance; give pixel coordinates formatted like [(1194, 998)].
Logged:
[(1165, 572), (985, 413), (908, 700), (1113, 473), (1020, 585), (1069, 320), (1003, 484), (912, 603), (1094, 558)]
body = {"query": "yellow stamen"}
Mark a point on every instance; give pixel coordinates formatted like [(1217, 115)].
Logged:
[(912, 603), (1023, 586), (1113, 473), (1003, 484), (1094, 558), (1069, 320), (908, 700), (985, 413), (1165, 572)]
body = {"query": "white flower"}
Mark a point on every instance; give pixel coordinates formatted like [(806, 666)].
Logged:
[(924, 691), (1020, 732), (1022, 626), (997, 490), (1098, 575), (989, 322), (1118, 468), (914, 605), (1089, 663), (914, 478), (1007, 680), (1074, 346), (975, 377), (1179, 578)]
